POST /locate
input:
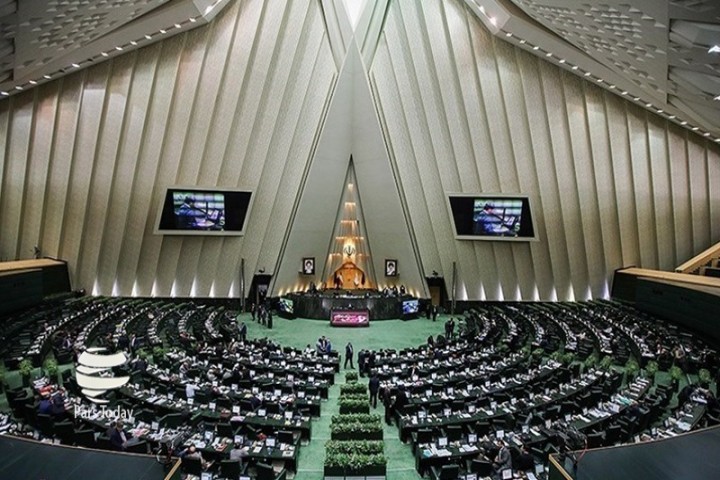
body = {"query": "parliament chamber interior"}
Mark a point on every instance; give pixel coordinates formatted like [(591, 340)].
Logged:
[(360, 239)]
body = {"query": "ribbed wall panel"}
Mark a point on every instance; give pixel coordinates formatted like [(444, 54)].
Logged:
[(610, 183), (86, 159), (238, 103)]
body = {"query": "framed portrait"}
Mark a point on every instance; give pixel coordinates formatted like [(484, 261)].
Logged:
[(308, 266), (391, 265)]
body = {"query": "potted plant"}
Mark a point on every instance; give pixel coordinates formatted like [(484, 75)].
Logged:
[(51, 369), (631, 370), (590, 362), (651, 369), (335, 464), (366, 465), (675, 375), (567, 358), (556, 356), (351, 377), (26, 368), (605, 364), (352, 388), (704, 377)]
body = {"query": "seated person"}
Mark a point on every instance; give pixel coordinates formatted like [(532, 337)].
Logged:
[(502, 460), (118, 438), (193, 453), (238, 452), (525, 461)]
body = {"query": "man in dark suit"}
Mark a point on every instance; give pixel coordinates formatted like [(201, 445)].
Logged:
[(349, 352), (118, 439), (503, 459), (374, 387), (401, 399)]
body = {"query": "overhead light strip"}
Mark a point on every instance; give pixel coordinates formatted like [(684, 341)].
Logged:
[(538, 50)]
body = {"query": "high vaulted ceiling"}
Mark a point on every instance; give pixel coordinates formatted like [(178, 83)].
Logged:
[(663, 54), (45, 39), (656, 52)]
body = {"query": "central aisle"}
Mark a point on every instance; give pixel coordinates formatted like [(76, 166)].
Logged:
[(396, 334)]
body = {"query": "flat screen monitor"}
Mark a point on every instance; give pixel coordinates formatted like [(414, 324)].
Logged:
[(286, 305), (492, 217), (410, 307), (200, 211), (442, 442), (270, 442)]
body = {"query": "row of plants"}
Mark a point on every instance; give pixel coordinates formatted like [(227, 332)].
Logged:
[(356, 448), (352, 388), (355, 464), (361, 427), (362, 447), (354, 402)]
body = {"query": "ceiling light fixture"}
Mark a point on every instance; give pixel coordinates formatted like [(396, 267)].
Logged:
[(562, 60), (32, 82), (548, 54), (75, 65), (119, 49), (163, 31), (104, 54), (193, 19), (575, 67), (148, 37), (714, 49), (47, 77), (508, 34), (536, 47)]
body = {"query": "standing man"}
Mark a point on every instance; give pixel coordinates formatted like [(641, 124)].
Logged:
[(243, 331), (374, 387), (349, 352), (434, 312)]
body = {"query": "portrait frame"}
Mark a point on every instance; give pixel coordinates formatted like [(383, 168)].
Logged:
[(308, 266), (391, 267)]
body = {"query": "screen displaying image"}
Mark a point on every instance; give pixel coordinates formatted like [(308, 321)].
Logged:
[(410, 307), (498, 217), (492, 217), (199, 210), (189, 211), (286, 305)]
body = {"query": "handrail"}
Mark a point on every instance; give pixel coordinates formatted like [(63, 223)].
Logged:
[(700, 259), (673, 276)]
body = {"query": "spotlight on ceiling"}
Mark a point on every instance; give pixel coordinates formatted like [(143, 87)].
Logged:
[(714, 49)]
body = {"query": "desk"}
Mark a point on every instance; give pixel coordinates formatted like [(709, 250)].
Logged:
[(320, 305)]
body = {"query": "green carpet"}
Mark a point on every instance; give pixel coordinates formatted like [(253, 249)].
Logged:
[(396, 334)]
